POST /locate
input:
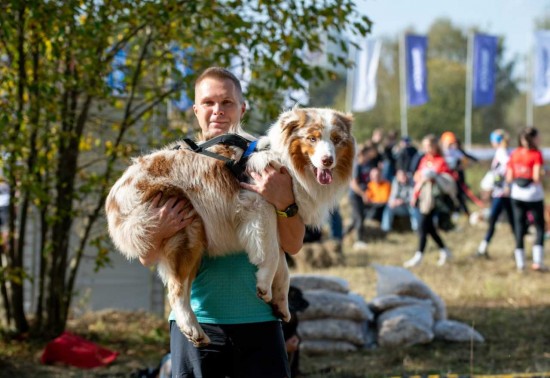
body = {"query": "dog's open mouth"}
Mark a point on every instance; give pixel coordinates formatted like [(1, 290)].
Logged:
[(324, 176)]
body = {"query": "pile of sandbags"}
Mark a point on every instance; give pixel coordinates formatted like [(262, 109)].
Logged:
[(335, 320), (408, 312), (405, 312)]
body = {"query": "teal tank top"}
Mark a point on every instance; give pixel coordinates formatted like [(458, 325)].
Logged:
[(224, 292)]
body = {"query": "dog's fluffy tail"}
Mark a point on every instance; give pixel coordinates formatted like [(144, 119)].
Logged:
[(129, 221)]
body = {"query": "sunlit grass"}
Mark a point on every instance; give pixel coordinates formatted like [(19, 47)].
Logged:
[(510, 309)]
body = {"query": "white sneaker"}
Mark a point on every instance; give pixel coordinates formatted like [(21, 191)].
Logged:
[(520, 259), (415, 261), (444, 256), (482, 249), (360, 245)]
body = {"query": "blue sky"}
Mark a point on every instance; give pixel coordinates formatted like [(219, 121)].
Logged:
[(511, 19)]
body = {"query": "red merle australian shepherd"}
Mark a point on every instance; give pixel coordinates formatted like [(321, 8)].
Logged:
[(317, 148)]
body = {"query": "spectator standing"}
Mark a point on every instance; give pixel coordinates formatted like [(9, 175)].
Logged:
[(399, 202), (524, 174), (406, 156), (455, 157), (500, 197), (366, 160), (427, 176), (388, 156)]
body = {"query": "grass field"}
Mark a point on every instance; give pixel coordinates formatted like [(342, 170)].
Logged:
[(510, 309)]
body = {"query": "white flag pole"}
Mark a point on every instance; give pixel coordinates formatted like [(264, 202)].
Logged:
[(469, 93), (529, 89), (403, 85), (350, 78)]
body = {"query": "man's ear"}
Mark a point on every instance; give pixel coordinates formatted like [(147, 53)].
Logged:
[(243, 108), (195, 109)]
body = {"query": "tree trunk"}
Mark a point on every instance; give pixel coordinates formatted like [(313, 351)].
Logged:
[(16, 286)]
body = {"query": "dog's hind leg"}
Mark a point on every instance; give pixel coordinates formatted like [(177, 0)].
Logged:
[(184, 265), (281, 285)]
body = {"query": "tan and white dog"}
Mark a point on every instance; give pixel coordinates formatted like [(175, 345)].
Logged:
[(317, 148)]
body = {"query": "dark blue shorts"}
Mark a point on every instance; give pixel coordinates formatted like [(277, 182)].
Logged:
[(253, 350)]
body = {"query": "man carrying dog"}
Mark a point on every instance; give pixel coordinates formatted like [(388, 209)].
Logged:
[(246, 338)]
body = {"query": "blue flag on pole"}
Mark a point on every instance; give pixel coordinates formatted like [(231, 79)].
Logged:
[(181, 57), (541, 69), (484, 72), (116, 78), (416, 48)]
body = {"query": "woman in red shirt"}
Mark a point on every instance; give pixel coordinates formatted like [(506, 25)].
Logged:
[(430, 167), (524, 176)]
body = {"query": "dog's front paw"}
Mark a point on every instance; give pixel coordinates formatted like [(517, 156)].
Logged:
[(264, 293), (196, 335)]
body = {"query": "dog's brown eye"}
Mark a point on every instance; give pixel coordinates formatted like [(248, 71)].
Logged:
[(336, 140)]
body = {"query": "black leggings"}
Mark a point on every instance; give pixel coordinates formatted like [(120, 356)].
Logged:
[(357, 216), (426, 227), (520, 209), (498, 205)]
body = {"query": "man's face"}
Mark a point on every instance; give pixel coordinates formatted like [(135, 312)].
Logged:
[(217, 106)]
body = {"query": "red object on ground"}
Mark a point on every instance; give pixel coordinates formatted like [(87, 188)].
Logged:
[(73, 350)]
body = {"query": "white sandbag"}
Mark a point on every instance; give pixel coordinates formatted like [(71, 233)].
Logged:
[(326, 346), (387, 302), (333, 329), (452, 330), (405, 326), (329, 304), (363, 304), (319, 282), (400, 281)]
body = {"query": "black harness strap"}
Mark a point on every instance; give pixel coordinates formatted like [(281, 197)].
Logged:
[(236, 167)]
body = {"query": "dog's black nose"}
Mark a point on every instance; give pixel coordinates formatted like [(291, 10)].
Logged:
[(327, 161)]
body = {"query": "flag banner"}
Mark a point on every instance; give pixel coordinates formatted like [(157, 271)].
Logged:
[(116, 78), (483, 70), (541, 69), (363, 97), (181, 57), (416, 48)]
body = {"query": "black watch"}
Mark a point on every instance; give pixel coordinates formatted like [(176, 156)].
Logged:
[(289, 212)]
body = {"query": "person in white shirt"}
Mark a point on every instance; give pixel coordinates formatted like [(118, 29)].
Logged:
[(500, 196)]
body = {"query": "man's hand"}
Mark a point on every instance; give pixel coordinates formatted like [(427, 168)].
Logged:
[(168, 219), (274, 185)]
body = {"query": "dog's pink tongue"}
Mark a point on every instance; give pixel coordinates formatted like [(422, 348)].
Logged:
[(324, 176)]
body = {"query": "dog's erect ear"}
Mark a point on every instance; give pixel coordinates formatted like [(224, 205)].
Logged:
[(292, 119), (346, 119)]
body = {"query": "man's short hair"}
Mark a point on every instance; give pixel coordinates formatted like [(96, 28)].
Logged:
[(221, 74)]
